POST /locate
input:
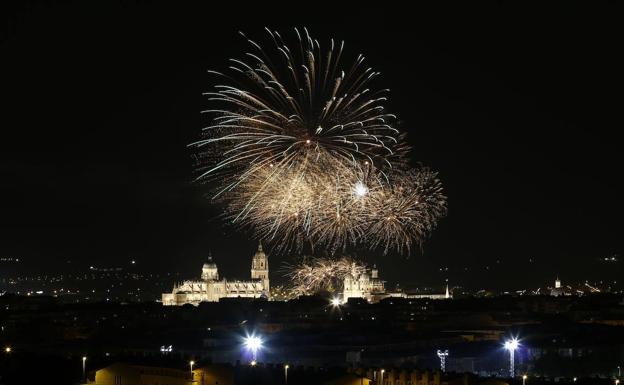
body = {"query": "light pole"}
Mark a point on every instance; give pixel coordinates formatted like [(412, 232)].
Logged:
[(511, 345), (286, 374), (84, 367), (524, 378), (191, 363), (442, 354), (382, 371)]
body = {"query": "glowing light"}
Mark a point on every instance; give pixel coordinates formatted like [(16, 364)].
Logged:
[(253, 363), (336, 302), (360, 189), (253, 343), (7, 349), (511, 344)]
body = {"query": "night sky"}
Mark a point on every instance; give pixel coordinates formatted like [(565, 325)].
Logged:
[(519, 109)]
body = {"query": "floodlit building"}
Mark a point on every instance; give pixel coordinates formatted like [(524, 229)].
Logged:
[(211, 289), (369, 286), (365, 285)]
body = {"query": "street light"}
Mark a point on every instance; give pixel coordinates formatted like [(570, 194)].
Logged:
[(286, 374), (7, 349), (336, 302), (382, 371), (253, 363), (191, 363), (84, 366), (524, 378), (511, 345)]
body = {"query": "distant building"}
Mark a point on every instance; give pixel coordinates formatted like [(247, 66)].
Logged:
[(211, 289), (124, 374), (368, 286), (559, 289), (127, 374), (365, 285)]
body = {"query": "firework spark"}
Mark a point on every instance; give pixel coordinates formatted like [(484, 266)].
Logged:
[(322, 274), (304, 153)]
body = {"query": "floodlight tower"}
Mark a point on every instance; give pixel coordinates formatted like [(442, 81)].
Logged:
[(511, 345), (442, 354)]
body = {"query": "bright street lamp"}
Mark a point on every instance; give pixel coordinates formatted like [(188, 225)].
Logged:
[(7, 349), (191, 363), (84, 366), (511, 345), (524, 378), (336, 302), (286, 374)]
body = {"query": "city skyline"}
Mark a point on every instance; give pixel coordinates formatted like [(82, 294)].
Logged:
[(518, 122)]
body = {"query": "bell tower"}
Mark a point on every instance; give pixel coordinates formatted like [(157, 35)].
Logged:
[(260, 268)]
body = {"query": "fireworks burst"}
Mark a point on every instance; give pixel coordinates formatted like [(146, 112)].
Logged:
[(304, 153), (319, 274)]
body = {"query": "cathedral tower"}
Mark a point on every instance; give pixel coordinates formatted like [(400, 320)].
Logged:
[(209, 270), (260, 268)]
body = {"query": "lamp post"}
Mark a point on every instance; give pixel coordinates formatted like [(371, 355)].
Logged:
[(511, 345), (191, 363), (382, 371), (286, 374), (84, 367), (524, 378)]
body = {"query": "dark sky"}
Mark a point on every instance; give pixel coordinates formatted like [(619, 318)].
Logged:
[(518, 108)]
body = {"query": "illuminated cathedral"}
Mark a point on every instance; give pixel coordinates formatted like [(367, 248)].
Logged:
[(211, 289)]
